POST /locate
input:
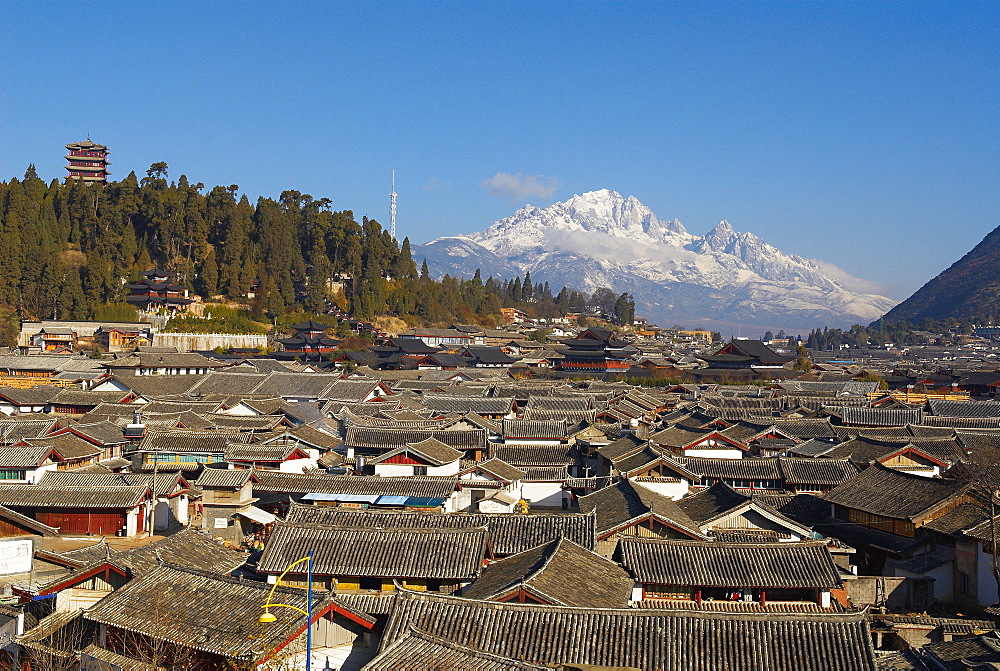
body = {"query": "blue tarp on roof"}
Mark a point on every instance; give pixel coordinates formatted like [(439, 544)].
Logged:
[(358, 498), (316, 496), (423, 502), (345, 498), (392, 500)]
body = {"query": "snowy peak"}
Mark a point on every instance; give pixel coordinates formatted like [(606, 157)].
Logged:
[(601, 212), (717, 240), (602, 239)]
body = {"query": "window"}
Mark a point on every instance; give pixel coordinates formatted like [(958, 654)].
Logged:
[(370, 583), (420, 470), (668, 591), (11, 475)]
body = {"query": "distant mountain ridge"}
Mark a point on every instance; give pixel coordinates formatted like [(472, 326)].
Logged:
[(600, 239), (970, 287)]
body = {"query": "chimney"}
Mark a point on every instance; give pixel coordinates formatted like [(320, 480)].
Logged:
[(137, 429)]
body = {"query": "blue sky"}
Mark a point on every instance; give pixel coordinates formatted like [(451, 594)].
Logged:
[(865, 134)]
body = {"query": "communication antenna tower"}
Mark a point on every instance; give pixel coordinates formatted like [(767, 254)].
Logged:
[(392, 207)]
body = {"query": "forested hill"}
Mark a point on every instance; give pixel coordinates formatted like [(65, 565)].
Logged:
[(970, 288), (67, 249)]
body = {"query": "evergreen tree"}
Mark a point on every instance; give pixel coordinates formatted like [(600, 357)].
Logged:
[(624, 310)]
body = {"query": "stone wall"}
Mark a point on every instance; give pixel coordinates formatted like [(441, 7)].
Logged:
[(897, 594), (186, 342)]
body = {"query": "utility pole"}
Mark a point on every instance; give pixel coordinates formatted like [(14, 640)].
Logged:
[(993, 536), (392, 207)]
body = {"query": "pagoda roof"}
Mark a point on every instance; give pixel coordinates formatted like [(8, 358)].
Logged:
[(76, 157), (88, 168), (310, 325), (86, 144)]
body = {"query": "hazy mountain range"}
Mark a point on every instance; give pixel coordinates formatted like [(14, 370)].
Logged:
[(723, 278)]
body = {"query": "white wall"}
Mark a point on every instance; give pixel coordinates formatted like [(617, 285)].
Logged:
[(492, 506), (674, 490), (986, 587), (186, 342), (393, 470), (296, 465), (451, 468), (543, 493), (131, 520), (77, 598), (936, 471), (161, 519), (943, 581), (715, 453), (552, 442), (179, 506), (36, 475)]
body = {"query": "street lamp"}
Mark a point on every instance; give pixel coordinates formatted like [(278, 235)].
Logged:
[(267, 617)]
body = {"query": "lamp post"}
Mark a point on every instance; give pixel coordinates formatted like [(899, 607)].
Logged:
[(267, 617)]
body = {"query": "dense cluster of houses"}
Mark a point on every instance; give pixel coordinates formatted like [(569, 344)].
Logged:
[(154, 505)]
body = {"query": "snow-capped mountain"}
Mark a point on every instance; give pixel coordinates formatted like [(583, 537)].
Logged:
[(600, 239)]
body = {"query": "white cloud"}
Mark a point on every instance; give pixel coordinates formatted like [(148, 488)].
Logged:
[(435, 183), (855, 284), (516, 188), (598, 245)]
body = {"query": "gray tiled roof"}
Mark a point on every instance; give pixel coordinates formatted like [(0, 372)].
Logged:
[(801, 565), (418, 650), (166, 483), (554, 573), (295, 385), (891, 493), (13, 430), (68, 446), (817, 471), (190, 441), (500, 469), (23, 456), (226, 478), (532, 455), (526, 428), (189, 548), (226, 382), (430, 450), (945, 408), (378, 552), (465, 404), (384, 439), (619, 504), (33, 496), (508, 534), (296, 483), (205, 611), (880, 417), (640, 638)]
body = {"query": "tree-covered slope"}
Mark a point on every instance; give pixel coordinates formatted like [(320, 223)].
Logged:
[(68, 250), (969, 288)]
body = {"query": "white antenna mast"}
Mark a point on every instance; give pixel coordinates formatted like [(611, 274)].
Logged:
[(392, 207)]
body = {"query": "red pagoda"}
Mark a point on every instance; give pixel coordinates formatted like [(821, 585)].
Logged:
[(88, 161)]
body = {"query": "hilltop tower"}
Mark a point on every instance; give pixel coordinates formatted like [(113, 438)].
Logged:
[(392, 207), (88, 161)]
